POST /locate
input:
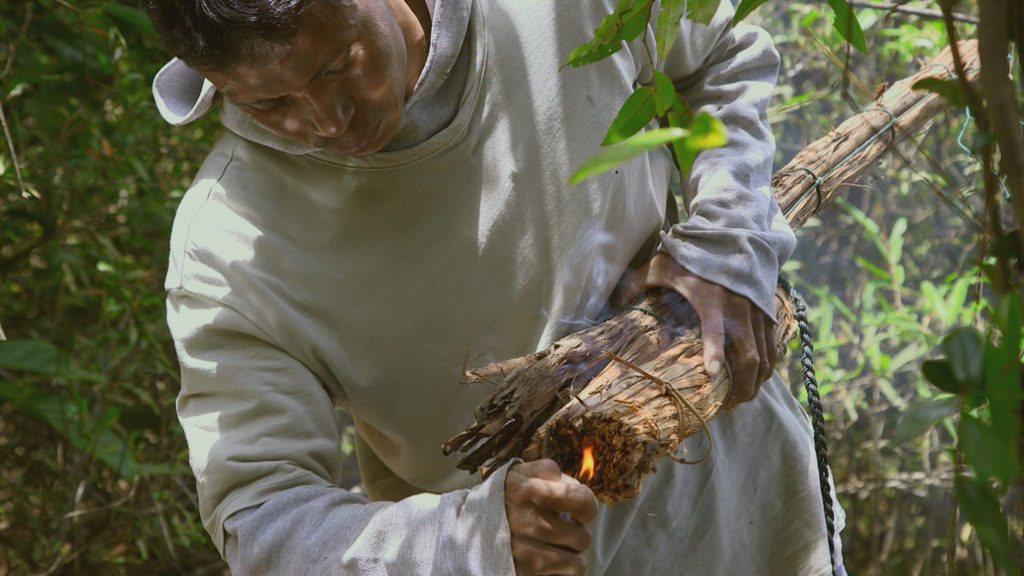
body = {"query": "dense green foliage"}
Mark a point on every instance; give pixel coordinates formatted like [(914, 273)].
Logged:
[(93, 466), (94, 470), (905, 260)]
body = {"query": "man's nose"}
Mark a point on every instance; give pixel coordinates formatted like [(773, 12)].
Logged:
[(329, 114)]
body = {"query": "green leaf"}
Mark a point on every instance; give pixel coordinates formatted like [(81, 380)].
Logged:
[(951, 90), (1006, 247), (879, 272), (706, 132), (71, 420), (702, 11), (679, 117), (896, 236), (965, 352), (636, 112), (981, 508), (664, 92), (1008, 316), (745, 8), (940, 374), (28, 355), (624, 24), (132, 16), (668, 25), (920, 416), (845, 22), (989, 452), (615, 154), (1003, 370)]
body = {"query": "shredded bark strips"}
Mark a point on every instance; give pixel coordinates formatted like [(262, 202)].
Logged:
[(632, 388)]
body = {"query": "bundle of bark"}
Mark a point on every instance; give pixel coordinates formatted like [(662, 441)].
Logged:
[(629, 390)]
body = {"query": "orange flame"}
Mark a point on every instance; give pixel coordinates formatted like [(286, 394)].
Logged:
[(587, 464)]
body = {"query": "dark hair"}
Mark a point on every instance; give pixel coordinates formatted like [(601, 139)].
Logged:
[(215, 34)]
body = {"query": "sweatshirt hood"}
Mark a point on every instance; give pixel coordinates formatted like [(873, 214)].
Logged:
[(181, 93)]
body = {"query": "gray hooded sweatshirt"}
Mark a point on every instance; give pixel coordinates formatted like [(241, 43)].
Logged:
[(301, 281)]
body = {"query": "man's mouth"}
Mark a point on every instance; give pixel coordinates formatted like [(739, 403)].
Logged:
[(362, 148)]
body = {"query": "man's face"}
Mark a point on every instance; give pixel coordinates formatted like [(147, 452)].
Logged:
[(340, 83)]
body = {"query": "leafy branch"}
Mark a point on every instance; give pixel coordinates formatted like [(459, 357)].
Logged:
[(686, 133)]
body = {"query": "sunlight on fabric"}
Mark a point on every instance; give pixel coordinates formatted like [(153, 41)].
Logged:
[(202, 432)]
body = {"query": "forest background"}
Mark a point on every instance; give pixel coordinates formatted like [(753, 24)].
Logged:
[(93, 466)]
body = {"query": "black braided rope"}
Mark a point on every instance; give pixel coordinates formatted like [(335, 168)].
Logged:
[(817, 415)]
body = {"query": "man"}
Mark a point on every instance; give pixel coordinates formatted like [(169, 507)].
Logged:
[(389, 198)]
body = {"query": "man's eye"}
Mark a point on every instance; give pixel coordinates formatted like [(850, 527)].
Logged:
[(341, 64), (264, 105), (337, 71)]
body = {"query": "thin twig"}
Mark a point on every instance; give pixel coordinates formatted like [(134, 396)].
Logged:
[(921, 12), (838, 63), (165, 529), (938, 190), (115, 504), (13, 45), (10, 146)]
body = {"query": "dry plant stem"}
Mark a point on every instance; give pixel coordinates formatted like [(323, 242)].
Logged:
[(951, 532), (10, 146), (818, 173), (919, 12), (1017, 22), (977, 107), (994, 47), (849, 78), (13, 45)]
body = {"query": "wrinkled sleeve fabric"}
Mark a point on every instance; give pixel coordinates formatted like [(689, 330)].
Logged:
[(735, 235), (264, 447)]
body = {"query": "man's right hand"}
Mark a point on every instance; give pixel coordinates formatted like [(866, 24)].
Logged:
[(538, 499)]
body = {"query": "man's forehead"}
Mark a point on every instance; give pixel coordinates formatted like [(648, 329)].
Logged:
[(320, 31)]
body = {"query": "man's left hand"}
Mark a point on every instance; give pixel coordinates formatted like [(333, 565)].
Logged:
[(733, 329)]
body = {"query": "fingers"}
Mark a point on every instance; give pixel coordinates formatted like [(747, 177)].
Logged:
[(764, 333), (750, 349), (536, 559), (734, 331), (543, 542), (744, 359), (542, 484)]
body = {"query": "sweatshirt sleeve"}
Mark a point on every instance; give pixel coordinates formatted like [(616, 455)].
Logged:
[(264, 447), (735, 235)]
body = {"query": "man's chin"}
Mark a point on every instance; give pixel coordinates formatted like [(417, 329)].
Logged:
[(373, 143), (353, 151)]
